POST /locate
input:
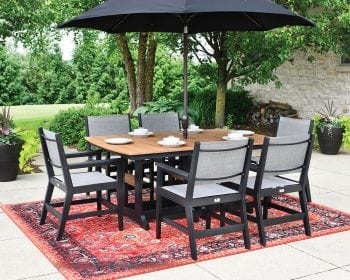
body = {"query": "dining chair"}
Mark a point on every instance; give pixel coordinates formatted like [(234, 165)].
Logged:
[(212, 163), (158, 122), (106, 125), (288, 127), (112, 125), (280, 156), (60, 175)]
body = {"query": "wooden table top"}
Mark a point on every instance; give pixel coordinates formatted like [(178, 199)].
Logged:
[(149, 147)]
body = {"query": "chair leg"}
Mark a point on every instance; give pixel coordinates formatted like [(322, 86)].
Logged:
[(66, 206), (259, 218), (191, 232), (303, 204), (267, 201), (98, 202), (47, 199), (208, 217), (159, 208), (244, 221), (307, 189), (222, 214), (151, 182)]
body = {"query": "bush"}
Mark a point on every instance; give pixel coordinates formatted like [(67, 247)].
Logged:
[(202, 108), (203, 104), (238, 105), (70, 123)]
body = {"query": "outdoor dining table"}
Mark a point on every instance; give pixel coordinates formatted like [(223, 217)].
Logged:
[(148, 148)]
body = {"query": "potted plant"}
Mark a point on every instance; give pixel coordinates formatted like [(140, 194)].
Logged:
[(10, 147), (332, 129)]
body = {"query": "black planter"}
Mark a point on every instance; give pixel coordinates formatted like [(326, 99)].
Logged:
[(9, 161), (330, 139)]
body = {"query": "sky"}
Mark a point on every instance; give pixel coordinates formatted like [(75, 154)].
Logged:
[(66, 45)]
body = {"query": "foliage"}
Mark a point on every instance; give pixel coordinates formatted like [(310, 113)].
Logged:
[(329, 117), (71, 122), (202, 108), (12, 86), (345, 123), (8, 135), (238, 105), (162, 105), (29, 149)]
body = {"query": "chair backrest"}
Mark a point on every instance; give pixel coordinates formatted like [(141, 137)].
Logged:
[(160, 121), (54, 155), (285, 154), (107, 125), (292, 126), (219, 161)]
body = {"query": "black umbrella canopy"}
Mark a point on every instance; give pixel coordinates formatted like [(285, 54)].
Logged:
[(186, 16), (117, 16)]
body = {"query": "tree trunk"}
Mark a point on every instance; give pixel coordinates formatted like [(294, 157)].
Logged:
[(150, 62), (220, 96), (129, 68), (141, 69)]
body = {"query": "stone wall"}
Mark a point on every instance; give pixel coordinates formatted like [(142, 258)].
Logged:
[(307, 86)]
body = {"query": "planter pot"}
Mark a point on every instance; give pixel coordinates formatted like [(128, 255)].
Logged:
[(9, 161), (330, 139)]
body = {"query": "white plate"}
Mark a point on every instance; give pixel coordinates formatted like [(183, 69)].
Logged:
[(244, 132), (133, 134), (199, 130), (118, 141), (164, 144), (233, 139)]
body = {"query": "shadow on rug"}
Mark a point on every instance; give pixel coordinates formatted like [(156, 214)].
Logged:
[(93, 248)]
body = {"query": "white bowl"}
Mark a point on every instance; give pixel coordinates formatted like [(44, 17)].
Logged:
[(171, 140), (235, 135), (140, 131), (193, 127)]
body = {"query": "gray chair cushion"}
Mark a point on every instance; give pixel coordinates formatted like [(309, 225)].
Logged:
[(205, 190), (269, 182), (87, 178), (161, 122)]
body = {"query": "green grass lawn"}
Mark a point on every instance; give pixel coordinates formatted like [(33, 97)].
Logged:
[(34, 116)]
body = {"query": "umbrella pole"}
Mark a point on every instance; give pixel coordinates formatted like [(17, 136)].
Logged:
[(185, 62)]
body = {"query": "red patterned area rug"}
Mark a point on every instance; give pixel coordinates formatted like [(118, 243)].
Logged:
[(93, 248)]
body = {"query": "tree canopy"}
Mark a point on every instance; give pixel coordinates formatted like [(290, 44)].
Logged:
[(142, 67)]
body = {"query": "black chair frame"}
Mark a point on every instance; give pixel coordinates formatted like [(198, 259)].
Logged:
[(67, 186), (262, 197), (208, 206)]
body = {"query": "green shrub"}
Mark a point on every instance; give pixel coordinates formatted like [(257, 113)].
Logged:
[(203, 105), (29, 149), (162, 105), (202, 108), (70, 123), (238, 105)]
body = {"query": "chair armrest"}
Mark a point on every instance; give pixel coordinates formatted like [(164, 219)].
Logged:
[(94, 163), (83, 154), (172, 170)]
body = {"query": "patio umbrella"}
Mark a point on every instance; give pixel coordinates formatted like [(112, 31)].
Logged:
[(187, 17)]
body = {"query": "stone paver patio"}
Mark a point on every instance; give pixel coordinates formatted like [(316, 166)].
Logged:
[(321, 258)]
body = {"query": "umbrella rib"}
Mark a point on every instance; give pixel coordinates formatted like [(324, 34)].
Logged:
[(255, 21), (119, 22)]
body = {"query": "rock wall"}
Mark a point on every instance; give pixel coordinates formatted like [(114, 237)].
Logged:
[(307, 86)]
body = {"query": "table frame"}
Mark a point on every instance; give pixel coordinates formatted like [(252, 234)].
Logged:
[(148, 148)]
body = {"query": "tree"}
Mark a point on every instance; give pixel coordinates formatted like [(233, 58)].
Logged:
[(252, 57), (34, 23), (12, 90), (140, 71)]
